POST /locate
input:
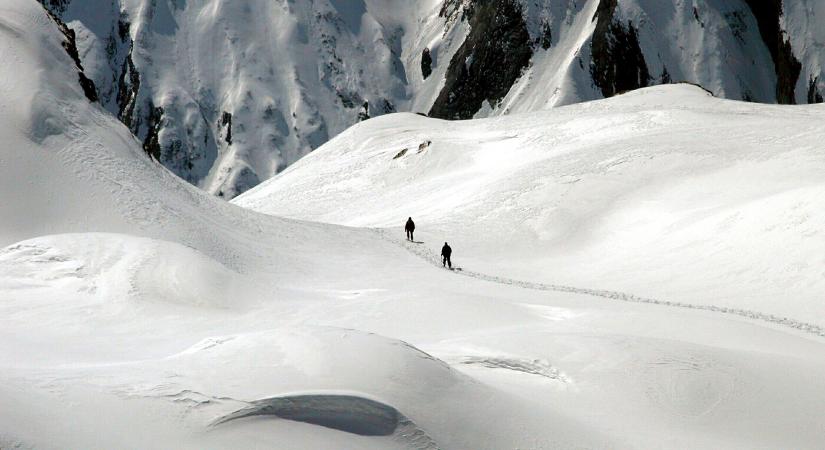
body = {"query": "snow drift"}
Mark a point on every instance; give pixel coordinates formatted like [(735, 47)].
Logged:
[(137, 311)]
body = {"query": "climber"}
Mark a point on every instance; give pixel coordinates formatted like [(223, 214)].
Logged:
[(409, 228), (446, 251)]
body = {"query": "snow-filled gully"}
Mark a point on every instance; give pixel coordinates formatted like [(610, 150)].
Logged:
[(427, 255)]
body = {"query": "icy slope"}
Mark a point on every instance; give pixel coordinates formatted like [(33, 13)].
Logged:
[(139, 312), (227, 93), (665, 192)]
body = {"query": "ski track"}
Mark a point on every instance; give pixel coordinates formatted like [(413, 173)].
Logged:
[(425, 253)]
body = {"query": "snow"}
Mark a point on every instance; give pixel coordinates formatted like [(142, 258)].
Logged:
[(139, 312), (294, 74), (667, 184)]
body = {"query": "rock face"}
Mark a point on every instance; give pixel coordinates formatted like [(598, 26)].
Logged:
[(617, 64), (768, 15), (70, 45), (489, 61), (426, 63), (226, 94)]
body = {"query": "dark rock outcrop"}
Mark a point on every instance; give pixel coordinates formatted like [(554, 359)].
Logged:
[(53, 7), (814, 96), (226, 124), (56, 7), (489, 61), (154, 123), (127, 93), (617, 64), (364, 113), (426, 63), (768, 15), (546, 38)]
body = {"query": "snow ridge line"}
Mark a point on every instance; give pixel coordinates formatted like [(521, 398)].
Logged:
[(424, 253)]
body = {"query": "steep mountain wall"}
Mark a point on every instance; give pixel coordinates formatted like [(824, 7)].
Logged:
[(226, 94)]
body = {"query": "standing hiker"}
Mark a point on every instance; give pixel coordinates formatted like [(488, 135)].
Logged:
[(409, 228), (446, 251)]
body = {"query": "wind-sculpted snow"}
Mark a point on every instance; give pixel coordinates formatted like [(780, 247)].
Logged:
[(348, 413), (136, 311)]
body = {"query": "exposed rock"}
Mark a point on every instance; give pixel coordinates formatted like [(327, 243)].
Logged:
[(226, 124), (426, 63), (546, 38), (364, 114), (56, 7), (768, 15), (618, 64), (127, 93), (70, 45), (489, 61), (696, 16), (151, 145), (665, 78), (453, 9), (814, 96)]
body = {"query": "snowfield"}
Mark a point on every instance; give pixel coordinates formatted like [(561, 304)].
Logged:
[(665, 192), (139, 312)]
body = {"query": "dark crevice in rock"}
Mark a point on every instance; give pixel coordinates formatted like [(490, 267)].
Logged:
[(127, 92), (665, 77), (154, 123), (618, 64), (123, 27), (426, 63), (386, 106), (814, 96), (768, 15), (54, 7), (546, 38), (489, 61), (696, 16), (349, 99), (226, 122), (364, 114)]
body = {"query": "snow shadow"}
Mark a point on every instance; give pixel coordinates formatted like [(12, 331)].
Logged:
[(348, 413), (351, 12)]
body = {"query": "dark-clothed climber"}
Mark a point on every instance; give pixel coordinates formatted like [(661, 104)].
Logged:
[(446, 251), (409, 228)]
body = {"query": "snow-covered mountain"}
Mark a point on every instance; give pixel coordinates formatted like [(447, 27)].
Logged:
[(137, 311), (227, 93)]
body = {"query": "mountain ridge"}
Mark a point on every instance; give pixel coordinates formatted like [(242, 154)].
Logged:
[(227, 94)]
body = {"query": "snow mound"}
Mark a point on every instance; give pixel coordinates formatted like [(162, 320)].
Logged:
[(135, 311), (120, 265)]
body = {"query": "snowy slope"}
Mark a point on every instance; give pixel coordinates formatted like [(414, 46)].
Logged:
[(139, 312), (226, 94), (665, 192)]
